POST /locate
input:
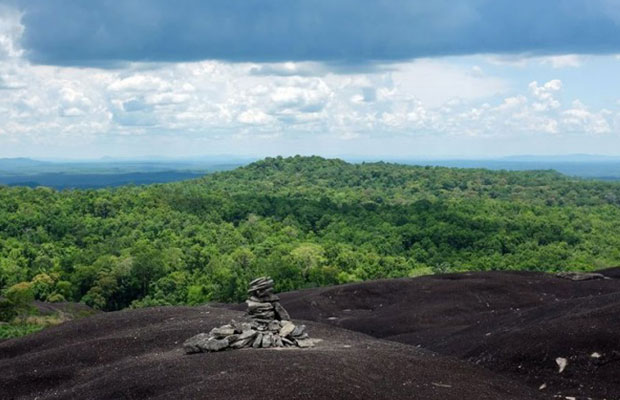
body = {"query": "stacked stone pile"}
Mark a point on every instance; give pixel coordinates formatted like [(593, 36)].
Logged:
[(269, 326), (263, 305)]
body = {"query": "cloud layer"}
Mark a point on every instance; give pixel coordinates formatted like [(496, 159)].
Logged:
[(491, 104), (74, 32)]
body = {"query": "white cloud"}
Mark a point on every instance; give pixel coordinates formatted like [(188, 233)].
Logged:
[(563, 61), (579, 118), (289, 69), (510, 103), (525, 60), (545, 95), (436, 82), (139, 83), (255, 117), (519, 61), (11, 30)]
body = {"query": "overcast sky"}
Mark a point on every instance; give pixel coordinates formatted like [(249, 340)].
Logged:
[(415, 78)]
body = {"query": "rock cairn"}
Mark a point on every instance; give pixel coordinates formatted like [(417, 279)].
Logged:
[(269, 325)]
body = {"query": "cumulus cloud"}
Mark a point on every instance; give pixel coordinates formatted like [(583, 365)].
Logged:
[(545, 94), (578, 117), (74, 32)]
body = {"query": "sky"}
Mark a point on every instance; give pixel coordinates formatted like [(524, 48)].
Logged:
[(393, 79)]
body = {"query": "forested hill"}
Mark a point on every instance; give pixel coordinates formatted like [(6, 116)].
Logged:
[(306, 221)]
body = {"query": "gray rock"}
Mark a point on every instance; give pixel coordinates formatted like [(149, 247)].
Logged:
[(268, 315), (222, 331), (237, 326), (258, 341), (267, 340), (287, 328), (258, 306), (281, 313), (287, 342), (247, 334), (195, 343), (262, 285), (258, 280), (304, 343), (580, 276), (274, 326), (231, 338), (298, 331), (260, 324), (263, 294), (239, 344), (266, 298), (215, 344), (278, 341)]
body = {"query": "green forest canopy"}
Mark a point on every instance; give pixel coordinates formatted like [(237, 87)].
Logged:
[(306, 221)]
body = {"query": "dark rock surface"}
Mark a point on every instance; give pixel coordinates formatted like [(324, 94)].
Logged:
[(137, 354), (513, 323), (511, 330)]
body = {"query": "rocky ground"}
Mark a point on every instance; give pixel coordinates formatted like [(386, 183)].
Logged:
[(457, 336), (516, 324)]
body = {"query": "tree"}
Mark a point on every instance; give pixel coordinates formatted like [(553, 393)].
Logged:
[(19, 297)]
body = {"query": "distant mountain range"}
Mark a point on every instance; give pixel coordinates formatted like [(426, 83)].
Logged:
[(564, 158), (105, 172), (14, 163)]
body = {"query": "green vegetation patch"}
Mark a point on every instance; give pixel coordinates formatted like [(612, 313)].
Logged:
[(9, 331), (305, 221)]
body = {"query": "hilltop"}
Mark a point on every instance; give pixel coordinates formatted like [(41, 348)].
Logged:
[(306, 221)]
